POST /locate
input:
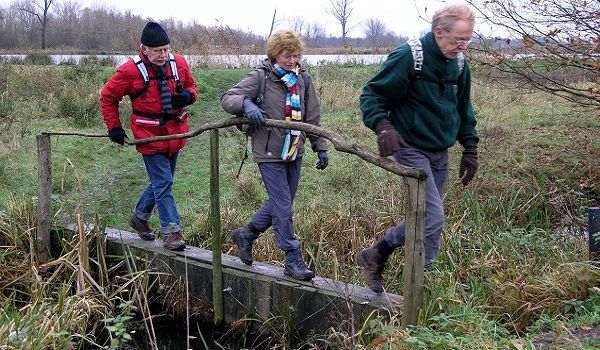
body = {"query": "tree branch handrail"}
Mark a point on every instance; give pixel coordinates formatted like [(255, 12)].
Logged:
[(336, 140)]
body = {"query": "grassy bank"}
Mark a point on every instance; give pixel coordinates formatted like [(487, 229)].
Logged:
[(513, 261)]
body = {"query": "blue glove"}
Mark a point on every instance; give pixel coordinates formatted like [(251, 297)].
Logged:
[(253, 112), (323, 160), (182, 99)]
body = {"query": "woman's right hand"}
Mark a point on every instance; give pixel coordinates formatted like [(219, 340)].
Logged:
[(253, 112)]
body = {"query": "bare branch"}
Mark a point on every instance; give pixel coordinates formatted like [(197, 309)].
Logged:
[(338, 142)]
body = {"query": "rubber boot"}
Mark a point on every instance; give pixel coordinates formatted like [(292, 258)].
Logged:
[(243, 238), (373, 263), (294, 266)]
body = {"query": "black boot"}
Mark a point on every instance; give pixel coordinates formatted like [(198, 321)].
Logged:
[(294, 266), (243, 238), (373, 262)]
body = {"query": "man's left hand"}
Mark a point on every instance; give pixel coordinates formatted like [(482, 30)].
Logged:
[(468, 164), (323, 160)]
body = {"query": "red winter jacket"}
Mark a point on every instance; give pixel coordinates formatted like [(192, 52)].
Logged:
[(129, 81)]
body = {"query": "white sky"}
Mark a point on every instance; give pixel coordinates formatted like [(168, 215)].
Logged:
[(399, 16)]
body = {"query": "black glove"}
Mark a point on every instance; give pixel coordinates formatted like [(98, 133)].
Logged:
[(181, 100), (117, 135), (388, 138), (253, 112), (323, 160), (468, 164)]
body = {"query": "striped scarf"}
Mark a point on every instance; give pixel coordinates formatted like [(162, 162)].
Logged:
[(292, 111), (165, 92)]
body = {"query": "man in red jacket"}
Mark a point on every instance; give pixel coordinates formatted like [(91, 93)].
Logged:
[(159, 85)]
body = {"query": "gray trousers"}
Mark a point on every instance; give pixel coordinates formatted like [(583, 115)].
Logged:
[(281, 182), (435, 165)]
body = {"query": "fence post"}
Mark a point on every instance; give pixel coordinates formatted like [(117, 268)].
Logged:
[(215, 225), (414, 257), (42, 238)]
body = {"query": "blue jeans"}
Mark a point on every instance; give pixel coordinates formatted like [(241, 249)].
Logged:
[(435, 165), (281, 181), (161, 170)]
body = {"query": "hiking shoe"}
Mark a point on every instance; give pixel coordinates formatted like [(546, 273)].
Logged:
[(373, 263), (141, 227), (174, 241), (294, 266), (243, 238)]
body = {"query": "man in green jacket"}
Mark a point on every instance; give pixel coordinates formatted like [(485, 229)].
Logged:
[(420, 107)]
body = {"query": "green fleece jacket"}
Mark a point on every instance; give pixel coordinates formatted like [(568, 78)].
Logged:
[(431, 113)]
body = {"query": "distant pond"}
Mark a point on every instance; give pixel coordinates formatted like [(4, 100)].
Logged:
[(226, 61)]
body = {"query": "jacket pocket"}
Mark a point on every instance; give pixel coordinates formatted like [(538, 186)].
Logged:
[(144, 128)]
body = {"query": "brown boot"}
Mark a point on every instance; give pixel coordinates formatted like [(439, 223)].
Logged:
[(142, 228), (174, 241), (373, 263)]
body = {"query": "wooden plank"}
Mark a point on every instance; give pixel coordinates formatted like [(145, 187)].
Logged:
[(215, 225), (414, 258), (42, 240)]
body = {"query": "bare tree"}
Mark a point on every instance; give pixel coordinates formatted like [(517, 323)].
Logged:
[(375, 32), (297, 24), (551, 45), (66, 25), (313, 34), (41, 10), (342, 10)]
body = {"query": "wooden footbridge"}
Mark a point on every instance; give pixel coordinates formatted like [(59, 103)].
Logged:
[(259, 292), (235, 291)]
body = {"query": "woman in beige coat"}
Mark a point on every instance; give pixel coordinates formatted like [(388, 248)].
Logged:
[(288, 95)]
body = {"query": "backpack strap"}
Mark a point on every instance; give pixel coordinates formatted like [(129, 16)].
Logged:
[(144, 72), (460, 58), (416, 49), (417, 53), (262, 85), (179, 87)]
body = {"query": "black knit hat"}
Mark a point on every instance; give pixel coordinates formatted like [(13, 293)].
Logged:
[(154, 35)]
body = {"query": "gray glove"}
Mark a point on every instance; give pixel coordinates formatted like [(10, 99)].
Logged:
[(253, 112)]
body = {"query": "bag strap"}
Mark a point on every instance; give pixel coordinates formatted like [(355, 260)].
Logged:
[(416, 49), (144, 72)]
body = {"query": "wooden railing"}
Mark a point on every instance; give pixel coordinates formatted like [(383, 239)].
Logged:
[(415, 204)]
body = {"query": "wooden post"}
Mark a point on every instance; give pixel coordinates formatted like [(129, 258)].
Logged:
[(215, 224), (42, 238), (414, 257)]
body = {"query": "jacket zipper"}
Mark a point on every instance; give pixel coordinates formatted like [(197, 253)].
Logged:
[(268, 140)]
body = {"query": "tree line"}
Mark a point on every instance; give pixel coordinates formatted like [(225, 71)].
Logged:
[(67, 26)]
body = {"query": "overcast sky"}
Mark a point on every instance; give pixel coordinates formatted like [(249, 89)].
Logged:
[(400, 16)]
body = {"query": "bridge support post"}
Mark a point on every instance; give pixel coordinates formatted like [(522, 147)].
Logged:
[(42, 238), (414, 258), (215, 228)]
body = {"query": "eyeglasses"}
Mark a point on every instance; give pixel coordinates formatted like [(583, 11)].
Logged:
[(160, 51), (462, 42)]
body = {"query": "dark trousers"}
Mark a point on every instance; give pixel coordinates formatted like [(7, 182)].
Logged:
[(435, 165), (281, 182)]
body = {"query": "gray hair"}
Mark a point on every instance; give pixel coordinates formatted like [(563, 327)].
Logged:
[(447, 16)]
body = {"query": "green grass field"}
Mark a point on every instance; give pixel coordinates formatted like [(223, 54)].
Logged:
[(513, 262)]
